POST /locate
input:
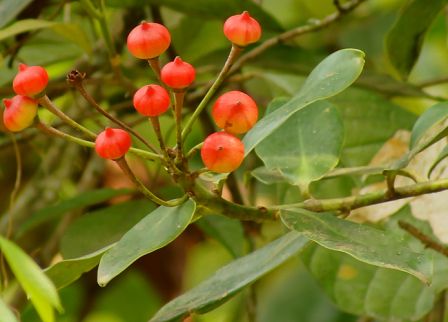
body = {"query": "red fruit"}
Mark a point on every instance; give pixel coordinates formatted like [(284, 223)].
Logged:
[(148, 40), (178, 74), (235, 112), (30, 80), (151, 100), (19, 112), (112, 143), (222, 152), (242, 29)]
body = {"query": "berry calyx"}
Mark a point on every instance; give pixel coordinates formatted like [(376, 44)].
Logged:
[(148, 40), (151, 100), (19, 112), (222, 152), (235, 112), (178, 74), (242, 29), (112, 143), (30, 80)]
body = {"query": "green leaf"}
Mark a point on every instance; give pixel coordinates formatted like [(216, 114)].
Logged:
[(268, 176), (363, 289), (83, 199), (365, 243), (5, 313), (36, 284), (230, 279), (306, 146), (368, 125), (216, 9), (74, 33), (24, 26), (101, 228), (154, 231), (442, 156), (9, 9), (431, 127), (229, 232), (431, 120), (334, 74), (404, 41), (67, 271)]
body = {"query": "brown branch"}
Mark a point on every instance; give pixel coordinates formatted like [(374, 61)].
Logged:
[(426, 240)]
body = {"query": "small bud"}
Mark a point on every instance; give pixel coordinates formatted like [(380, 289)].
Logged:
[(242, 29), (235, 112), (178, 74), (151, 100), (222, 152), (112, 143), (30, 80), (19, 113), (148, 40)]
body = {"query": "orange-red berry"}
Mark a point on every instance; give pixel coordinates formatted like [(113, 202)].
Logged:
[(30, 80), (235, 112), (151, 100), (242, 29), (222, 152), (112, 143), (19, 112), (148, 40), (178, 74)]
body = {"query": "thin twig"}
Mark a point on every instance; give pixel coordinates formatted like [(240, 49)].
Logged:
[(426, 240)]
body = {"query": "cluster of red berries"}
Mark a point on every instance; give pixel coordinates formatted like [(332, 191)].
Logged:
[(235, 112)]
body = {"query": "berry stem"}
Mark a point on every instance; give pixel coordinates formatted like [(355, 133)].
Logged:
[(145, 191), (154, 63), (193, 150), (48, 104), (178, 104), (156, 126), (81, 89), (55, 132), (234, 52)]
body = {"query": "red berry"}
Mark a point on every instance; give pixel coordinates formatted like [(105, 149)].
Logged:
[(30, 80), (235, 112), (222, 152), (178, 74), (148, 40), (112, 143), (19, 112), (242, 29), (151, 100)]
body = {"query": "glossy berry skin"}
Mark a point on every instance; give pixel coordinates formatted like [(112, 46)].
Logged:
[(151, 100), (112, 143), (148, 40), (30, 80), (222, 152), (242, 29), (19, 112), (178, 74), (235, 112)]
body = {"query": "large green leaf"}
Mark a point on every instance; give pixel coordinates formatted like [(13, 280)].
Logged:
[(36, 284), (404, 41), (83, 199), (307, 145), (229, 232), (154, 231), (24, 26), (363, 289), (334, 74), (6, 314), (67, 271), (365, 243), (216, 9), (9, 9), (230, 279), (369, 121), (101, 228)]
